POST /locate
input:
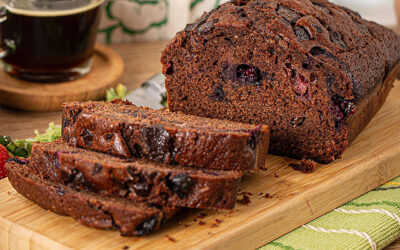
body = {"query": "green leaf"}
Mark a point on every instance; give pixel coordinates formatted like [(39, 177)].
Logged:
[(119, 92)]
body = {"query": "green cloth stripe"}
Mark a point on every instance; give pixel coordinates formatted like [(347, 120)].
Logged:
[(193, 3), (371, 220)]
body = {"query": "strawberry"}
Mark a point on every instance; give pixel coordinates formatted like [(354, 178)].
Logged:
[(4, 156)]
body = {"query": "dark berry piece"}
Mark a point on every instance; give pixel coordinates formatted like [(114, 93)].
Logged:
[(206, 27), (335, 37), (307, 63), (288, 14), (109, 137), (147, 226), (20, 161), (87, 137), (219, 93), (315, 51), (142, 188), (248, 74), (169, 68), (301, 85), (60, 191), (240, 2), (317, 28), (342, 109), (297, 121), (97, 168), (191, 26), (301, 33), (321, 7), (156, 140), (55, 161), (254, 138), (81, 180), (180, 184)]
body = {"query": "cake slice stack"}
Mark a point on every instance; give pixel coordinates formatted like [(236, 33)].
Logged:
[(130, 168)]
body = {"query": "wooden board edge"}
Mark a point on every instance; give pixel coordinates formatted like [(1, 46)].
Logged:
[(14, 236), (256, 234)]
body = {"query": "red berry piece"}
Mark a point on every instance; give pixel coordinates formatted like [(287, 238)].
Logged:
[(301, 85), (4, 156), (249, 74)]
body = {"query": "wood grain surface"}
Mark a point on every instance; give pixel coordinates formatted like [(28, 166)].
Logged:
[(107, 68), (296, 197)]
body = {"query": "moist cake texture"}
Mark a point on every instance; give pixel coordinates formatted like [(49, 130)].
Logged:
[(139, 180), (124, 130), (131, 218)]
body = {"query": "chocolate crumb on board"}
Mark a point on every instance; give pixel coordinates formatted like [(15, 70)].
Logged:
[(186, 225), (263, 168), (125, 248), (304, 166), (245, 200), (202, 223), (268, 196), (170, 238), (214, 225), (261, 193), (276, 175), (201, 215), (218, 221), (8, 192)]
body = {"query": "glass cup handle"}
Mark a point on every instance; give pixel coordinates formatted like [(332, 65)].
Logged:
[(7, 45)]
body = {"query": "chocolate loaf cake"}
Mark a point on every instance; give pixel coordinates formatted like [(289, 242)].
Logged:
[(90, 209), (315, 72), (139, 180), (124, 130)]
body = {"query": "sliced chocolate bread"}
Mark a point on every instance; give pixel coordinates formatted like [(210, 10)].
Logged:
[(129, 217), (139, 180), (122, 129), (315, 72)]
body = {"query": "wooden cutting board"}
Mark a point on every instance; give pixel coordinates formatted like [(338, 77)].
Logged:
[(372, 160)]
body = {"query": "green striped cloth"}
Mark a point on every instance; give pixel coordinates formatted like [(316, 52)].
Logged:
[(371, 221)]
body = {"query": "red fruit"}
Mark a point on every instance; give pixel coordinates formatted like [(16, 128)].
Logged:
[(4, 156)]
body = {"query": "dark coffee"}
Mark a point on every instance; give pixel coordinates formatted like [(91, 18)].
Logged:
[(49, 42)]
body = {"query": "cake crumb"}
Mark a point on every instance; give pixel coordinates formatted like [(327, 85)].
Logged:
[(201, 215), (261, 193), (218, 221), (245, 200), (8, 192), (304, 166), (214, 225), (268, 196), (125, 248), (186, 225), (276, 175), (202, 223), (263, 168), (170, 238)]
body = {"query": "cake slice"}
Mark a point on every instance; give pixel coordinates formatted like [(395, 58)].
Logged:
[(129, 217), (139, 180), (122, 129)]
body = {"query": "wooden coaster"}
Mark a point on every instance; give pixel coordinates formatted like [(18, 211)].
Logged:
[(107, 68)]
